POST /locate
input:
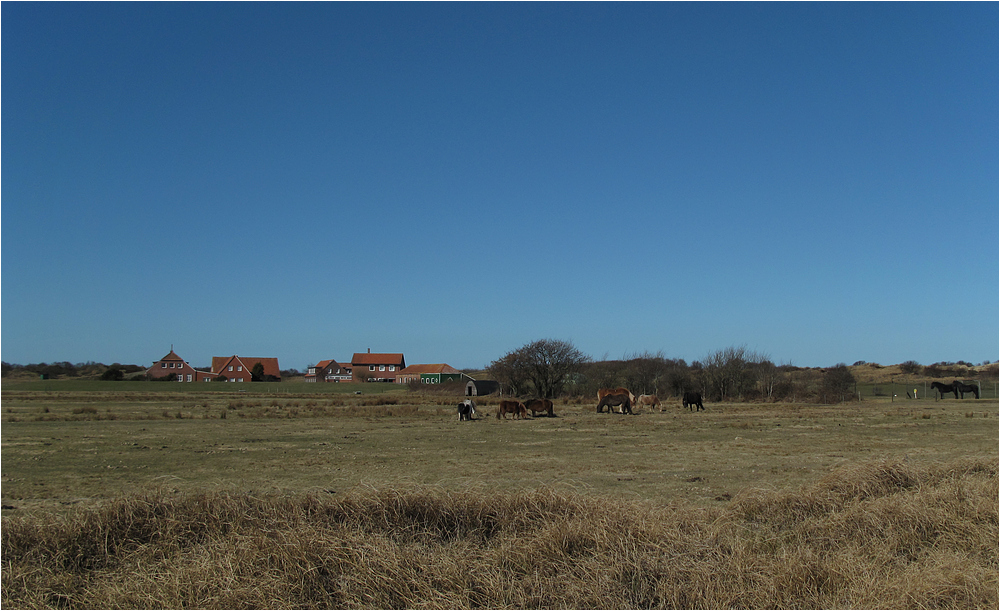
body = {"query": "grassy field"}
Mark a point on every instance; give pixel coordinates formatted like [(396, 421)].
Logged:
[(68, 448), (77, 458)]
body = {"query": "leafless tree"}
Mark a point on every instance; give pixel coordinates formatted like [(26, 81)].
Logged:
[(546, 364), (732, 373)]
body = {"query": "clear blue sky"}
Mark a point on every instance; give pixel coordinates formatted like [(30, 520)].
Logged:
[(818, 182)]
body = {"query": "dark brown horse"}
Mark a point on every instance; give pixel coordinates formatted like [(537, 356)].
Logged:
[(539, 405), (943, 388), (610, 401), (692, 400), (511, 407), (962, 388), (603, 392)]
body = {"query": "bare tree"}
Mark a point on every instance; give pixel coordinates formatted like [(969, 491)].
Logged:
[(837, 383), (509, 372), (644, 371), (732, 373), (547, 364)]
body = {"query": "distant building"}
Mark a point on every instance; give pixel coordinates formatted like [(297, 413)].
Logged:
[(428, 374), (379, 367), (329, 371), (173, 364), (238, 368), (479, 388)]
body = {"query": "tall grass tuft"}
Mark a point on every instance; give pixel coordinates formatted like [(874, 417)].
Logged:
[(877, 535)]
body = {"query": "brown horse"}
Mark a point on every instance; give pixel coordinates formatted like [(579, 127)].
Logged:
[(614, 400), (511, 407), (539, 405), (650, 400), (615, 391)]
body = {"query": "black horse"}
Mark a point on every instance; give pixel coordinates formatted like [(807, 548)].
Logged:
[(692, 400), (944, 388), (962, 388)]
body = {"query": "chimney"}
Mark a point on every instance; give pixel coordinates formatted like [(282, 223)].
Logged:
[(369, 351)]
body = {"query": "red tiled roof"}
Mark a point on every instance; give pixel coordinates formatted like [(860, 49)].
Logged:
[(219, 363), (368, 358), (439, 368)]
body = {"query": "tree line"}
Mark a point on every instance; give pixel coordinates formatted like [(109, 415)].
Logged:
[(550, 368)]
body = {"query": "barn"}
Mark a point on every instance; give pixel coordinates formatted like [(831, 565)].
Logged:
[(480, 388)]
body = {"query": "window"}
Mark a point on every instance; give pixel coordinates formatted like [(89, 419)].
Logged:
[(240, 380), (171, 365), (230, 368), (392, 368), (239, 368), (163, 365), (371, 368), (189, 377), (381, 367)]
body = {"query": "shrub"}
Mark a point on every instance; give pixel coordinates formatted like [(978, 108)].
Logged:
[(113, 374), (910, 367)]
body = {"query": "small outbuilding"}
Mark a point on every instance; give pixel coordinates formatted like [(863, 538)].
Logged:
[(481, 388)]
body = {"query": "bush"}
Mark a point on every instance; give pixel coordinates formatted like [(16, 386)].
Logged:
[(911, 367), (113, 374)]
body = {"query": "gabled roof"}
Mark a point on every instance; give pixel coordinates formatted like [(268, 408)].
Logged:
[(326, 363), (438, 368), (171, 356), (368, 358), (219, 364)]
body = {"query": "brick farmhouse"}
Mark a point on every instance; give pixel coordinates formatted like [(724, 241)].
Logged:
[(232, 368)]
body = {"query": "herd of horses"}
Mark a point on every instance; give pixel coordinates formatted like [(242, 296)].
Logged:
[(957, 388), (624, 400), (609, 398)]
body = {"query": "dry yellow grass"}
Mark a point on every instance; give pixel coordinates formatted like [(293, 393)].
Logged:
[(878, 534)]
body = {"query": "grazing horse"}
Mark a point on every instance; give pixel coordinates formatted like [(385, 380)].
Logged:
[(943, 388), (693, 399), (539, 405), (615, 391), (511, 407), (650, 400), (615, 400), (962, 388), (466, 410)]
